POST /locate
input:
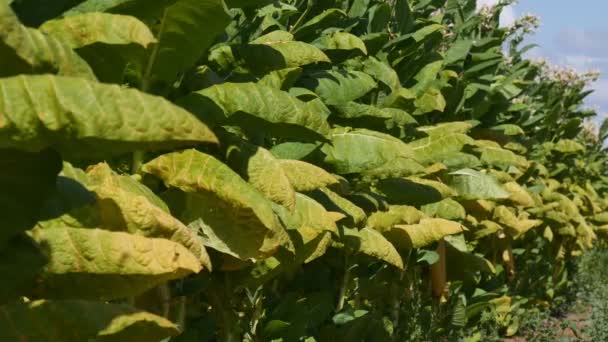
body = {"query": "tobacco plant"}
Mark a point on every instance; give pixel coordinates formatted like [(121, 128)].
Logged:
[(299, 170)]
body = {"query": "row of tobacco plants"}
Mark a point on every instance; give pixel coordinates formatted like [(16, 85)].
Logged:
[(298, 170)]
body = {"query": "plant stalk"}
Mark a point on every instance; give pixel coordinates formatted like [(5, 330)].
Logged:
[(181, 313), (138, 156), (396, 309), (147, 78), (301, 18), (137, 162), (345, 279)]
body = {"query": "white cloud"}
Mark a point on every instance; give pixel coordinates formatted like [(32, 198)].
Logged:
[(486, 2), (582, 63), (507, 17)]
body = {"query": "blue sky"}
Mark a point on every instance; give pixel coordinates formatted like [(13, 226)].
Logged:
[(572, 33)]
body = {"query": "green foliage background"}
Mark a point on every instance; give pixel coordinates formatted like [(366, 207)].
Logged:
[(346, 170)]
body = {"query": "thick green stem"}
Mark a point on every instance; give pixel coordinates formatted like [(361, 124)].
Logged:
[(146, 81), (219, 295), (304, 14), (181, 313), (138, 160), (223, 316), (398, 294), (164, 293), (147, 77), (344, 285), (396, 306)]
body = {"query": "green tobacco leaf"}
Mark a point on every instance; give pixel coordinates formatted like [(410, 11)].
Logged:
[(438, 147), (106, 41), (355, 216), (246, 3), (293, 150), (311, 214), (601, 218), (273, 37), (422, 234), (431, 100), (123, 204), (509, 129), (401, 98), (414, 192), (396, 215), (136, 8), (107, 265), (282, 79), (435, 148), (447, 209), (458, 52), (464, 265), (391, 117), (338, 87), (461, 160), (416, 37), (494, 155), (379, 17), (232, 216), (486, 228), (359, 150), (90, 28), (471, 184), (396, 168), (73, 320), (26, 180), (274, 55), (27, 50), (519, 195), (446, 128), (373, 243), (85, 119), (313, 244), (264, 171), (568, 146), (310, 227), (341, 41), (306, 177), (33, 13), (254, 104), (183, 39), (382, 72), (369, 200), (311, 28), (178, 31), (515, 226)]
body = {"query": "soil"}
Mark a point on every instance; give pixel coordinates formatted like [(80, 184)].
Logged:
[(578, 320)]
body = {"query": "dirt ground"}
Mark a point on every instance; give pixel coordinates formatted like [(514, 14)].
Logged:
[(578, 321)]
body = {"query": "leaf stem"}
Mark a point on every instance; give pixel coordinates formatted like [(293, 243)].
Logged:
[(301, 18), (138, 160), (397, 286), (181, 313), (146, 80), (165, 298), (138, 156), (344, 285)]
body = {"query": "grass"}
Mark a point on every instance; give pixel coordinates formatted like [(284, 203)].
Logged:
[(592, 286), (585, 316)]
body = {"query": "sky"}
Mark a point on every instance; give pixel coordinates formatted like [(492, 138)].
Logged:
[(572, 33)]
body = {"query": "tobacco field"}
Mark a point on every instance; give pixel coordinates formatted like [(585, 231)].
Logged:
[(297, 170)]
